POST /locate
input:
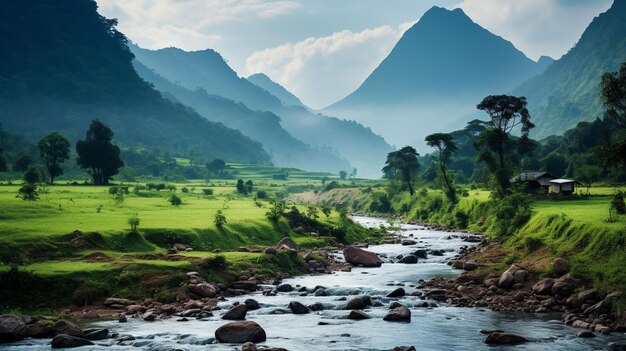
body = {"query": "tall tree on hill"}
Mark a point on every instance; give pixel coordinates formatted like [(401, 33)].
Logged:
[(613, 89), (445, 146), (402, 165), (54, 149), (97, 154), (497, 149)]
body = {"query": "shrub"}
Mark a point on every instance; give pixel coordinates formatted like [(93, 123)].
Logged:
[(532, 244), (32, 175), (511, 213), (28, 192), (617, 203), (119, 189), (220, 219), (276, 210), (138, 188), (89, 293), (241, 187), (157, 187), (207, 191), (311, 212), (215, 263), (174, 200), (134, 222), (171, 187), (332, 185), (261, 194), (326, 210), (184, 190)]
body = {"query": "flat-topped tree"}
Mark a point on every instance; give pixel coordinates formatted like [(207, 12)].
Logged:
[(497, 149), (98, 154), (402, 165)]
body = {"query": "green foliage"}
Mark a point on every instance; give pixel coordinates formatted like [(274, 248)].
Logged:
[(207, 191), (28, 192), (54, 149), (241, 187), (32, 175), (249, 186), (332, 185), (217, 262), (216, 167), (587, 175), (134, 222), (311, 212), (555, 163), (326, 210), (380, 203), (613, 90), (171, 187), (276, 211), (220, 219), (617, 203), (261, 194), (402, 166), (174, 200), (98, 154), (343, 175), (446, 147), (510, 213)]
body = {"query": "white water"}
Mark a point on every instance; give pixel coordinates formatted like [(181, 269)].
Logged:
[(441, 328)]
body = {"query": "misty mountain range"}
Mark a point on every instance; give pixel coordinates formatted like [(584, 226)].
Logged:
[(184, 101)]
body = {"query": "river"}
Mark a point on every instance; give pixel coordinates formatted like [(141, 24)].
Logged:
[(433, 328)]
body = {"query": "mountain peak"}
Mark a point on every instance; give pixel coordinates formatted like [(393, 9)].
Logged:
[(285, 96)]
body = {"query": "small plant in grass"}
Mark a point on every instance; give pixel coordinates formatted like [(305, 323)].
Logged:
[(276, 210), (311, 212), (28, 192), (134, 222), (174, 200), (99, 208), (220, 219), (326, 210)]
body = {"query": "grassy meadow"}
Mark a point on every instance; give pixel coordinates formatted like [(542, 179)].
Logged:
[(79, 235)]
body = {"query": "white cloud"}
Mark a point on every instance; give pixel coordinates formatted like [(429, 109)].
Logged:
[(537, 27), (320, 69), (187, 23)]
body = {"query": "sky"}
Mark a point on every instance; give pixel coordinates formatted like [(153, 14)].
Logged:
[(322, 50)]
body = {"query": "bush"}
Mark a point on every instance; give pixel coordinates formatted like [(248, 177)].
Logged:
[(28, 192), (138, 188), (157, 187), (241, 187), (326, 210), (32, 175), (171, 187), (511, 213), (134, 222), (532, 244), (261, 194), (89, 293), (332, 185), (207, 191), (220, 219), (174, 200), (311, 212), (184, 190), (276, 210), (114, 190), (215, 263), (617, 203)]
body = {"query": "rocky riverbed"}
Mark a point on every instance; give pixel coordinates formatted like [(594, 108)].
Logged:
[(377, 302)]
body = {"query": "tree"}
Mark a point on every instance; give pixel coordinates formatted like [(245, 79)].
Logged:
[(3, 161), (216, 166), (555, 163), (28, 192), (32, 175), (54, 149), (497, 149), (98, 154), (618, 204), (241, 187), (220, 219), (134, 222), (353, 173), (587, 174), (402, 165), (445, 146), (174, 200), (613, 91), (276, 210), (343, 174), (249, 186), (22, 163)]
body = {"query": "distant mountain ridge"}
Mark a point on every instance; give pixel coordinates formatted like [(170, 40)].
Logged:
[(265, 127), (568, 91), (62, 65), (437, 72), (284, 95), (207, 70)]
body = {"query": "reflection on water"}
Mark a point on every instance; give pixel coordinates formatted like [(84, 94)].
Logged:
[(440, 328)]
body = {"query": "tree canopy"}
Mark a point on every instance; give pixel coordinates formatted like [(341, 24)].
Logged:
[(613, 90), (445, 146), (98, 154), (54, 149), (402, 165)]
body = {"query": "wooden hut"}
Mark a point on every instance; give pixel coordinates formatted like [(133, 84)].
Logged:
[(563, 186)]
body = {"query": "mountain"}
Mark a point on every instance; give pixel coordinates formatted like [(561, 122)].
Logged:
[(437, 72), (284, 95), (62, 65), (568, 91), (265, 127), (207, 70)]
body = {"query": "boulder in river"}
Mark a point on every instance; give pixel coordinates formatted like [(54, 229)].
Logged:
[(357, 256), (252, 304), (408, 259), (284, 287), (358, 315), (68, 328), (12, 328), (298, 308), (249, 346), (96, 334), (421, 253), (617, 346), (240, 332), (64, 341), (204, 290), (356, 304), (565, 286), (236, 313), (398, 314), (543, 287), (505, 339), (399, 292)]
